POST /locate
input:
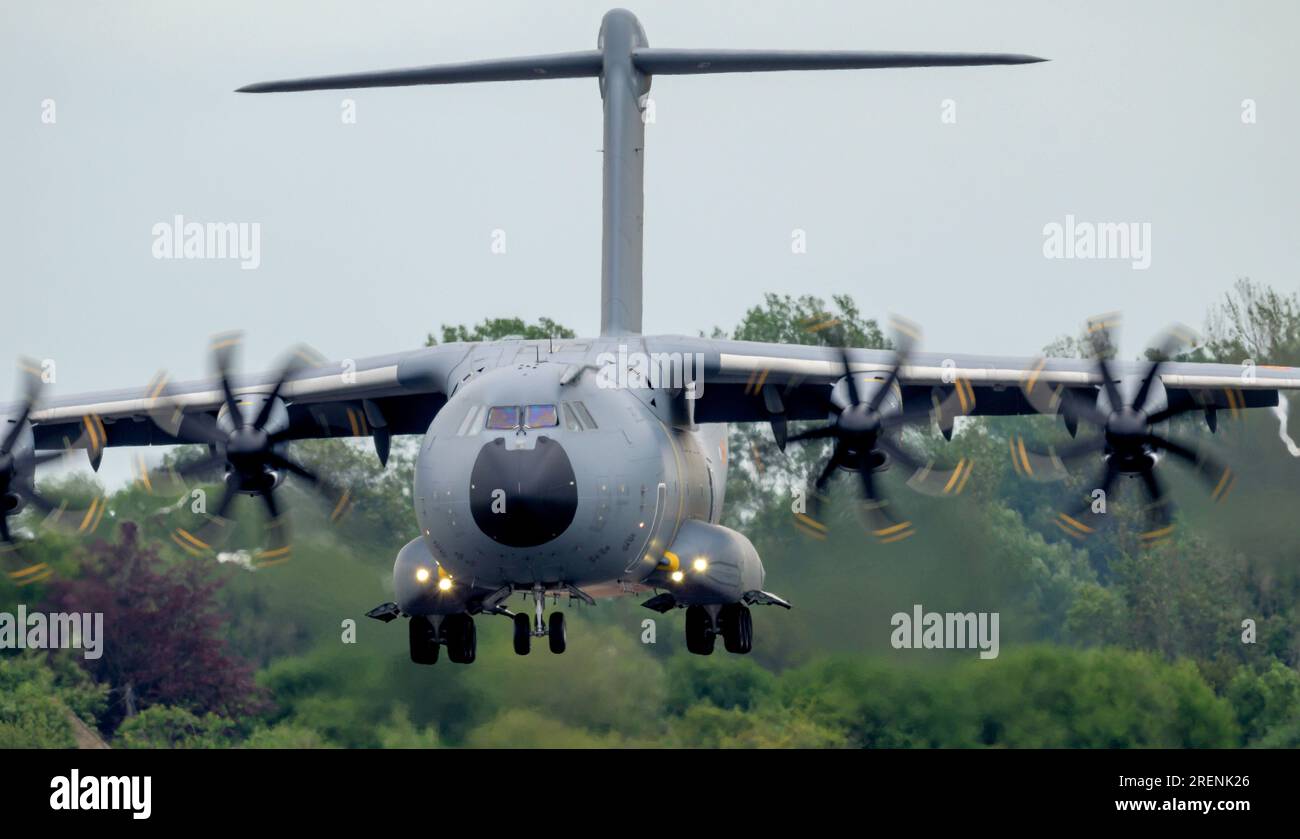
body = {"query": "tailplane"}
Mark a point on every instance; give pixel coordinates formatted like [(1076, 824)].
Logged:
[(624, 63)]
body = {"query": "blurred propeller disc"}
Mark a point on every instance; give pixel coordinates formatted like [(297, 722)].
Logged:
[(249, 447), (863, 434)]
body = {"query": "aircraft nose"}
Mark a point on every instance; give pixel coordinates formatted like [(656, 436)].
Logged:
[(523, 497)]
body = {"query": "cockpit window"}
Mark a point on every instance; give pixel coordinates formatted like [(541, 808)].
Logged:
[(503, 418), (541, 416)]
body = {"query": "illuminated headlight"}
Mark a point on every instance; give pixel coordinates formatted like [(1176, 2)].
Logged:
[(445, 584), (700, 565), (422, 575), (678, 576)]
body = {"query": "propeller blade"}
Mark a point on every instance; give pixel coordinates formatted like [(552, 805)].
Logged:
[(883, 524), (30, 374), (1160, 510), (275, 459), (268, 499), (1102, 345), (223, 349), (41, 458), (1057, 399), (925, 478), (340, 498), (281, 546), (79, 521), (812, 434), (832, 463), (906, 335), (1051, 466), (1221, 478), (848, 377), (1169, 412), (1077, 523), (1174, 337), (1113, 395), (207, 537), (198, 467), (300, 358)]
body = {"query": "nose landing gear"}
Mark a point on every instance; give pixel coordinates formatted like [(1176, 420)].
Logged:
[(527, 629)]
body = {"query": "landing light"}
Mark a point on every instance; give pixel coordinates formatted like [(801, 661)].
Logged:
[(678, 576), (700, 565), (445, 584), (422, 575)]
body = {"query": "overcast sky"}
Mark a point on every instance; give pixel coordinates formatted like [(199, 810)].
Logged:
[(374, 233)]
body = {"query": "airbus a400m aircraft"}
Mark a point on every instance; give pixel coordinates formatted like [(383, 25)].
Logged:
[(597, 466)]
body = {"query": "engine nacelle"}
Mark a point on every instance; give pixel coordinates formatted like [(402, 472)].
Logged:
[(422, 587), (709, 564)]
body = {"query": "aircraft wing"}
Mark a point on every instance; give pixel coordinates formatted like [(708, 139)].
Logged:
[(747, 381), (377, 396)]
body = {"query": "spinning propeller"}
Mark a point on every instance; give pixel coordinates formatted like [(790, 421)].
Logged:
[(18, 462), (1127, 443), (864, 432), (248, 438)]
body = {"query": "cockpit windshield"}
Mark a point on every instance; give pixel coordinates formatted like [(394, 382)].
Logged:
[(503, 418), (541, 416), (508, 417)]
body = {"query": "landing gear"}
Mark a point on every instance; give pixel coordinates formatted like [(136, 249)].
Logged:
[(700, 634), (424, 640), (461, 638), (456, 633), (737, 628), (732, 621), (555, 633), (527, 629), (523, 633)]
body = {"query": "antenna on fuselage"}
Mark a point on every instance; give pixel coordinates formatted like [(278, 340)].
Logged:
[(624, 63)]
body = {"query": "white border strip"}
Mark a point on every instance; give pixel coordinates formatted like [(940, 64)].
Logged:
[(297, 390)]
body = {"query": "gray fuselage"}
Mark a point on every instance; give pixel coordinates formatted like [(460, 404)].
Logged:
[(595, 498)]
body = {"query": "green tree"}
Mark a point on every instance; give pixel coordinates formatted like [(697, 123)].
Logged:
[(163, 727), (494, 329)]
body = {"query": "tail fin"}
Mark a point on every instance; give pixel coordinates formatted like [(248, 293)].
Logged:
[(624, 63)]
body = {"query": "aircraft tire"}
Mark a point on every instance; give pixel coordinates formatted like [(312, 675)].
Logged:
[(699, 631), (461, 637), (556, 635), (523, 633), (424, 648)]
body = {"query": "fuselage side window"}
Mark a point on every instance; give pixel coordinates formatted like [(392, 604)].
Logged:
[(584, 415), (570, 417)]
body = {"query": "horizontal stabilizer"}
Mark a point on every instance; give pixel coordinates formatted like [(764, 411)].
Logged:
[(566, 65), (669, 62)]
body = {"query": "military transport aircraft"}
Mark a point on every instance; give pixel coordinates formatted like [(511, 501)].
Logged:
[(596, 466)]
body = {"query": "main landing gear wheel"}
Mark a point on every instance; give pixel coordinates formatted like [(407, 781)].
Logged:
[(699, 631), (737, 628), (461, 638), (424, 643), (523, 633), (555, 633)]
